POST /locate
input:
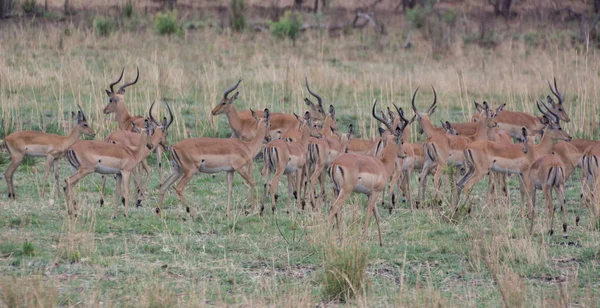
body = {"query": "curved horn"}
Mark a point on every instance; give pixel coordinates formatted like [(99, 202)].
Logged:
[(150, 114), (232, 88), (555, 91), (413, 101), (552, 115), (313, 93), (434, 101), (137, 76), (83, 116), (386, 123), (171, 118), (114, 83)]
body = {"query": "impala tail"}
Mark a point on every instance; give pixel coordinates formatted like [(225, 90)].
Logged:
[(430, 151), (336, 173), (175, 160), (556, 176), (313, 153), (4, 147), (470, 164), (590, 165), (72, 159), (271, 156)]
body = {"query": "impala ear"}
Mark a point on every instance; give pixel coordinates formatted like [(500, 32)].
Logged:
[(448, 126), (332, 111), (499, 109), (550, 100), (381, 131), (307, 117), (350, 130), (107, 92), (308, 102), (297, 117), (432, 110), (478, 106), (524, 131), (267, 114), (73, 115)]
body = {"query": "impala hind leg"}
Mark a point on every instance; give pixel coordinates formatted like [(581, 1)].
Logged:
[(246, 173), (15, 161), (176, 175), (56, 176), (49, 162), (126, 181), (548, 196), (560, 191), (70, 182), (427, 166), (118, 194), (531, 208), (180, 191), (336, 208), (372, 207)]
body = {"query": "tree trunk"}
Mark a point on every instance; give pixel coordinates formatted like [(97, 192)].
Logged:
[(66, 7), (506, 8), (597, 6), (5, 7), (171, 4), (316, 9), (298, 4), (45, 5)]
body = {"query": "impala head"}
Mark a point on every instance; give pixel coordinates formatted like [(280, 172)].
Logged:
[(448, 128), (528, 142), (424, 116), (149, 131), (317, 111), (161, 129), (82, 125), (395, 132), (226, 103), (557, 107), (117, 98), (552, 123), (333, 124)]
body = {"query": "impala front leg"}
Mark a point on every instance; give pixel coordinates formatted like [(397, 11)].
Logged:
[(49, 161), (56, 176)]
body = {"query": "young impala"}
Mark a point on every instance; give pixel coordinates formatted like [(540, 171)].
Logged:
[(38, 144), (89, 156), (365, 174), (214, 155)]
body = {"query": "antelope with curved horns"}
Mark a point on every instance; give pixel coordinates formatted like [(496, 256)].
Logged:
[(484, 156), (130, 140), (590, 167), (116, 104), (39, 144), (214, 155), (365, 174), (89, 156), (245, 126)]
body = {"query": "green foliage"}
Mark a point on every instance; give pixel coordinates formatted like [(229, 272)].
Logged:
[(128, 9), (103, 26), (167, 23), (237, 20), (449, 16), (288, 26), (416, 16), (345, 269), (29, 6), (28, 249)]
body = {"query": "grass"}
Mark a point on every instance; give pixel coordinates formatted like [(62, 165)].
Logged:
[(482, 260)]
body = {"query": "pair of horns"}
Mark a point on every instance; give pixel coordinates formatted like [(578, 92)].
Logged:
[(122, 88), (433, 105), (166, 125)]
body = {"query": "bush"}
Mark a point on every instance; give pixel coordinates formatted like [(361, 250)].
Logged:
[(103, 26), (28, 249), (344, 271), (166, 23), (237, 20), (128, 9), (29, 6), (288, 26)]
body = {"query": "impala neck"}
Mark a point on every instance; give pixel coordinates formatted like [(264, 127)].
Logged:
[(545, 145), (142, 150), (123, 116), (255, 144), (482, 132), (532, 150), (72, 137), (427, 127), (389, 155), (327, 126), (234, 120)]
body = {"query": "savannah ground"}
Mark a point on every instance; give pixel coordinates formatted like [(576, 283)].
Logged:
[(46, 68)]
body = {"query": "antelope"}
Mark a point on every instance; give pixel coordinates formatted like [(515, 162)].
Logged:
[(513, 122), (89, 156), (130, 140), (546, 173), (365, 174), (589, 180), (214, 155), (245, 127), (39, 144), (286, 158), (483, 156)]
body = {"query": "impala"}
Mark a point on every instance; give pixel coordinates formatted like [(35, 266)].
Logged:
[(546, 173), (483, 156), (116, 104), (286, 158), (214, 155), (89, 156), (39, 144), (130, 140), (365, 174), (590, 166), (245, 127)]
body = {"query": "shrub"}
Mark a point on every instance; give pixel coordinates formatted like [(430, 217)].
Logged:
[(288, 26), (103, 26), (29, 6), (237, 19), (28, 249), (344, 271), (128, 9), (166, 23)]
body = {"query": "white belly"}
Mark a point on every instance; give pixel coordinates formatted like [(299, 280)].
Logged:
[(218, 169), (362, 189), (106, 169)]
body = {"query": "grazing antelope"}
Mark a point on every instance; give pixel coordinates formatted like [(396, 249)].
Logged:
[(365, 174), (89, 156), (583, 144), (287, 158), (214, 155), (513, 122), (546, 173), (483, 156), (590, 167), (130, 140), (39, 144), (245, 127)]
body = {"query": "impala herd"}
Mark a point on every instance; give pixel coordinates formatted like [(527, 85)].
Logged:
[(305, 148)]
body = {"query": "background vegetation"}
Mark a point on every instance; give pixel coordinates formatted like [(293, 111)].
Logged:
[(52, 61)]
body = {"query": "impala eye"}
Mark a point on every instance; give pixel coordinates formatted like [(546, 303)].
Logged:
[(560, 128), (560, 109)]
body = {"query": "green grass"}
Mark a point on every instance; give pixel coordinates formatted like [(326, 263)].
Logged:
[(276, 260)]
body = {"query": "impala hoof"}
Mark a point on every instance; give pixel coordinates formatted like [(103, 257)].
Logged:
[(187, 209), (157, 210), (9, 195), (551, 232), (303, 204), (139, 203), (577, 221), (123, 200), (101, 202)]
